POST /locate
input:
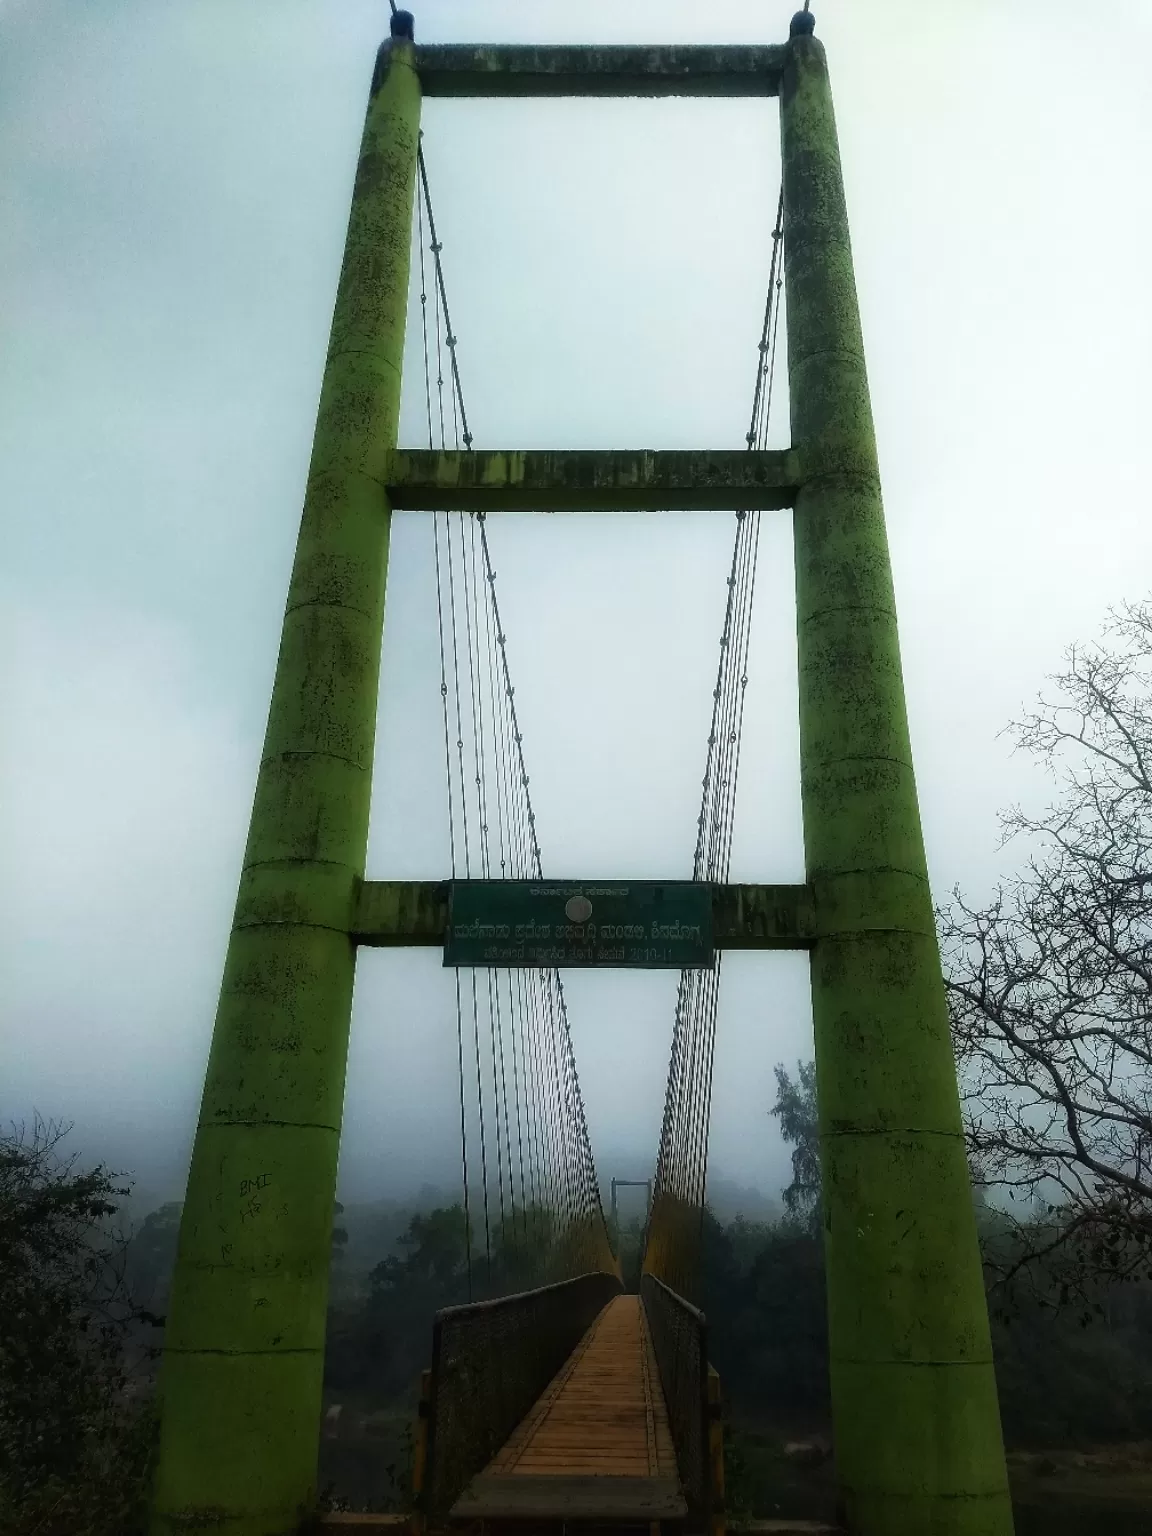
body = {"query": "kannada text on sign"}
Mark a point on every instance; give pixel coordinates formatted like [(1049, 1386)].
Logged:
[(525, 923)]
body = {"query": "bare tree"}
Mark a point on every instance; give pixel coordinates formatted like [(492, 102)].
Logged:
[(1050, 986)]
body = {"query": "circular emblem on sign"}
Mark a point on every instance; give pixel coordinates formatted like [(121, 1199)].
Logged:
[(578, 909)]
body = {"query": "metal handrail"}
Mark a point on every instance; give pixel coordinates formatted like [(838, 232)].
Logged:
[(491, 1360), (679, 1333)]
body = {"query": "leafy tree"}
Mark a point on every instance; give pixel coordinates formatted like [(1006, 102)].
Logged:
[(74, 1447), (151, 1256), (339, 1237), (1050, 984), (1060, 1384), (435, 1256), (628, 1245), (795, 1108), (381, 1343), (763, 1296)]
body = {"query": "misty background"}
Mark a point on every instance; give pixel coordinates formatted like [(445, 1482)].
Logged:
[(174, 185)]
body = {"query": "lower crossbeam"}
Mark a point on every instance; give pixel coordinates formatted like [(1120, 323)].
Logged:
[(401, 913)]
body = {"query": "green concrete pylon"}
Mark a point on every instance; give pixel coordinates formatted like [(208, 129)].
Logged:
[(243, 1361), (919, 1450)]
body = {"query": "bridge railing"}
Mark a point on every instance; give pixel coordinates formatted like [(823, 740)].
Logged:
[(491, 1360), (679, 1335)]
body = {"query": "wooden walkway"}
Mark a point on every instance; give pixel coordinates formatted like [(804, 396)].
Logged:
[(596, 1445)]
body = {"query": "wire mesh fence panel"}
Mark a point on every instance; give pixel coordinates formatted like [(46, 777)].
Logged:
[(679, 1342), (491, 1361)]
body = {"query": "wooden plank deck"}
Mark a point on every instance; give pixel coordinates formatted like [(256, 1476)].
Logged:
[(596, 1445)]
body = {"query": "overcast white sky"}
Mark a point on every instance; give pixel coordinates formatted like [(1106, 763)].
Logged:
[(174, 183)]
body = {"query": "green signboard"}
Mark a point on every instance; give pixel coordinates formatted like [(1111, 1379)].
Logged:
[(645, 923)]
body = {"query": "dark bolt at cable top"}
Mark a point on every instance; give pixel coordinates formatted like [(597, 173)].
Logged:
[(403, 26), (803, 24)]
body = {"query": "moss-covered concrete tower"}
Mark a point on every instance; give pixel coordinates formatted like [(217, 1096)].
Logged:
[(917, 1426), (243, 1360)]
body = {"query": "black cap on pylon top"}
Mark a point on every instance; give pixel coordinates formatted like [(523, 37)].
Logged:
[(803, 24), (403, 26)]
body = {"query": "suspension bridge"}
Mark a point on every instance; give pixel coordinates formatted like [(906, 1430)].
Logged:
[(554, 1399)]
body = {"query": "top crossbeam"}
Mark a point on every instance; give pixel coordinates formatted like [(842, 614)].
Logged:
[(613, 479), (478, 69)]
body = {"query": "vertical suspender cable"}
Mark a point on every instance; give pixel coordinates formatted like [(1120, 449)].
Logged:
[(675, 1228), (534, 1180)]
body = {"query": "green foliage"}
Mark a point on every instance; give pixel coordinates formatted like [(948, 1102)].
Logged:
[(75, 1445), (526, 1252), (151, 1256), (373, 1472), (1068, 1381), (381, 1343), (339, 1237), (795, 1108), (628, 1245), (760, 1480), (767, 1329), (1072, 1359), (1067, 1376)]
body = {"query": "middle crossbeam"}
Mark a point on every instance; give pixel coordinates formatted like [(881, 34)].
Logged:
[(610, 480)]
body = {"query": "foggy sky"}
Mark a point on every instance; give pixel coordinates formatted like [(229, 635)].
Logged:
[(175, 184)]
